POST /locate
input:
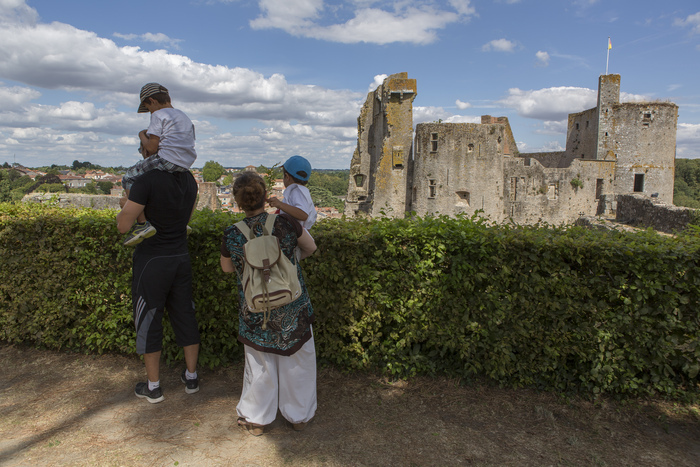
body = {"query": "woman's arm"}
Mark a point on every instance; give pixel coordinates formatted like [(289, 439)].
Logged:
[(306, 244), (226, 264)]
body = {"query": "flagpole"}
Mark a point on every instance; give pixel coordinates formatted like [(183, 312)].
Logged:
[(607, 61)]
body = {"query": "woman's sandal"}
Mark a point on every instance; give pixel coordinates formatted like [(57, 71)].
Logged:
[(253, 428)]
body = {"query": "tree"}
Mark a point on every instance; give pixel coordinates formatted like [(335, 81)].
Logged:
[(212, 171), (228, 180), (334, 181), (323, 198), (104, 187)]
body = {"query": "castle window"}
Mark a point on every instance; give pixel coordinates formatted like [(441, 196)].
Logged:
[(359, 180), (646, 119), (638, 183), (598, 188), (470, 147), (513, 188), (586, 123), (397, 157), (577, 126), (552, 191), (433, 142), (432, 188)]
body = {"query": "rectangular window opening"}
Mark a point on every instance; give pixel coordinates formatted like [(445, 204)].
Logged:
[(432, 188), (598, 188), (638, 183), (433, 142)]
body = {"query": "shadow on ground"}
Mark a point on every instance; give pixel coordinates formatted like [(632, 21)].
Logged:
[(70, 409)]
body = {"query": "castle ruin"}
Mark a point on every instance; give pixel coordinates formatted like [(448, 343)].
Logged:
[(453, 168)]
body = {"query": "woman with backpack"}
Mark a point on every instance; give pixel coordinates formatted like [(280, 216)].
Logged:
[(280, 358)]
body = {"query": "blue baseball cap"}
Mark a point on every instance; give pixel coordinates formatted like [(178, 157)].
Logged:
[(298, 167)]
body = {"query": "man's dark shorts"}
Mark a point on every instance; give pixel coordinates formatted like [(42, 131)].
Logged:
[(163, 282)]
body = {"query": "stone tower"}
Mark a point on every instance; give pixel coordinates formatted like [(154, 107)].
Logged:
[(381, 166)]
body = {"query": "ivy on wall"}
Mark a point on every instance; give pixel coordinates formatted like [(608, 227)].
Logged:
[(563, 309)]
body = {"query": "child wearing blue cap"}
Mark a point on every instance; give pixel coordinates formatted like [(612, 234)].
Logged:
[(297, 199)]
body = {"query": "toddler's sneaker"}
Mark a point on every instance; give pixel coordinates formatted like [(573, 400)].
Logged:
[(153, 397), (191, 385), (138, 233)]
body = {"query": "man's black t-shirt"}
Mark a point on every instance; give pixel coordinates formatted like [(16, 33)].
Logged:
[(169, 199)]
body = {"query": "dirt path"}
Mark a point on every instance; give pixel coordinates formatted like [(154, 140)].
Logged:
[(68, 409)]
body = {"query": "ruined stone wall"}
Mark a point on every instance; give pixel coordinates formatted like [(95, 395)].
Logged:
[(644, 141), (207, 196), (74, 200), (535, 193), (383, 155), (361, 167), (458, 168), (642, 211), (582, 135)]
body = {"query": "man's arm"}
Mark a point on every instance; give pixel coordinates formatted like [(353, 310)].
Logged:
[(128, 215)]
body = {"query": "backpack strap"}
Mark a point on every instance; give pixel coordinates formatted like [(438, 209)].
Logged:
[(267, 229), (269, 224), (243, 227)]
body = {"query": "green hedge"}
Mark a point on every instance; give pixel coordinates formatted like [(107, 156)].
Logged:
[(570, 310)]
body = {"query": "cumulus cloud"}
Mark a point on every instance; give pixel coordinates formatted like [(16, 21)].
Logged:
[(158, 38), (435, 114), (688, 141), (542, 58), (411, 21), (16, 97), (692, 21), (378, 80), (550, 104), (58, 56), (462, 105), (499, 45)]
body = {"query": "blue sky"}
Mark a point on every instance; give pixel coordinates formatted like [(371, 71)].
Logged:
[(267, 79)]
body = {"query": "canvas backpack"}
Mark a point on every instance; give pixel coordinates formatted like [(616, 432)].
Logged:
[(269, 278)]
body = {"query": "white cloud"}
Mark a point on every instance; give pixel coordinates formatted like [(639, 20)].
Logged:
[(542, 58), (158, 38), (553, 128), (693, 21), (15, 97), (61, 57), (17, 11), (378, 80), (462, 105), (499, 45), (550, 104), (411, 21), (435, 114), (688, 141)]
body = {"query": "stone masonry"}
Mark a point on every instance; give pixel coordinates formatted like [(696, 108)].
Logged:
[(453, 168)]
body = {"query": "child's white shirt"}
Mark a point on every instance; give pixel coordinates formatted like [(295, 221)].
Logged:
[(298, 196), (176, 133)]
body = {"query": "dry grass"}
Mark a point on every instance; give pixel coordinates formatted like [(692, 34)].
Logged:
[(67, 409)]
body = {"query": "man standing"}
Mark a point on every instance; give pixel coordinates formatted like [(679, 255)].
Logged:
[(162, 273)]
